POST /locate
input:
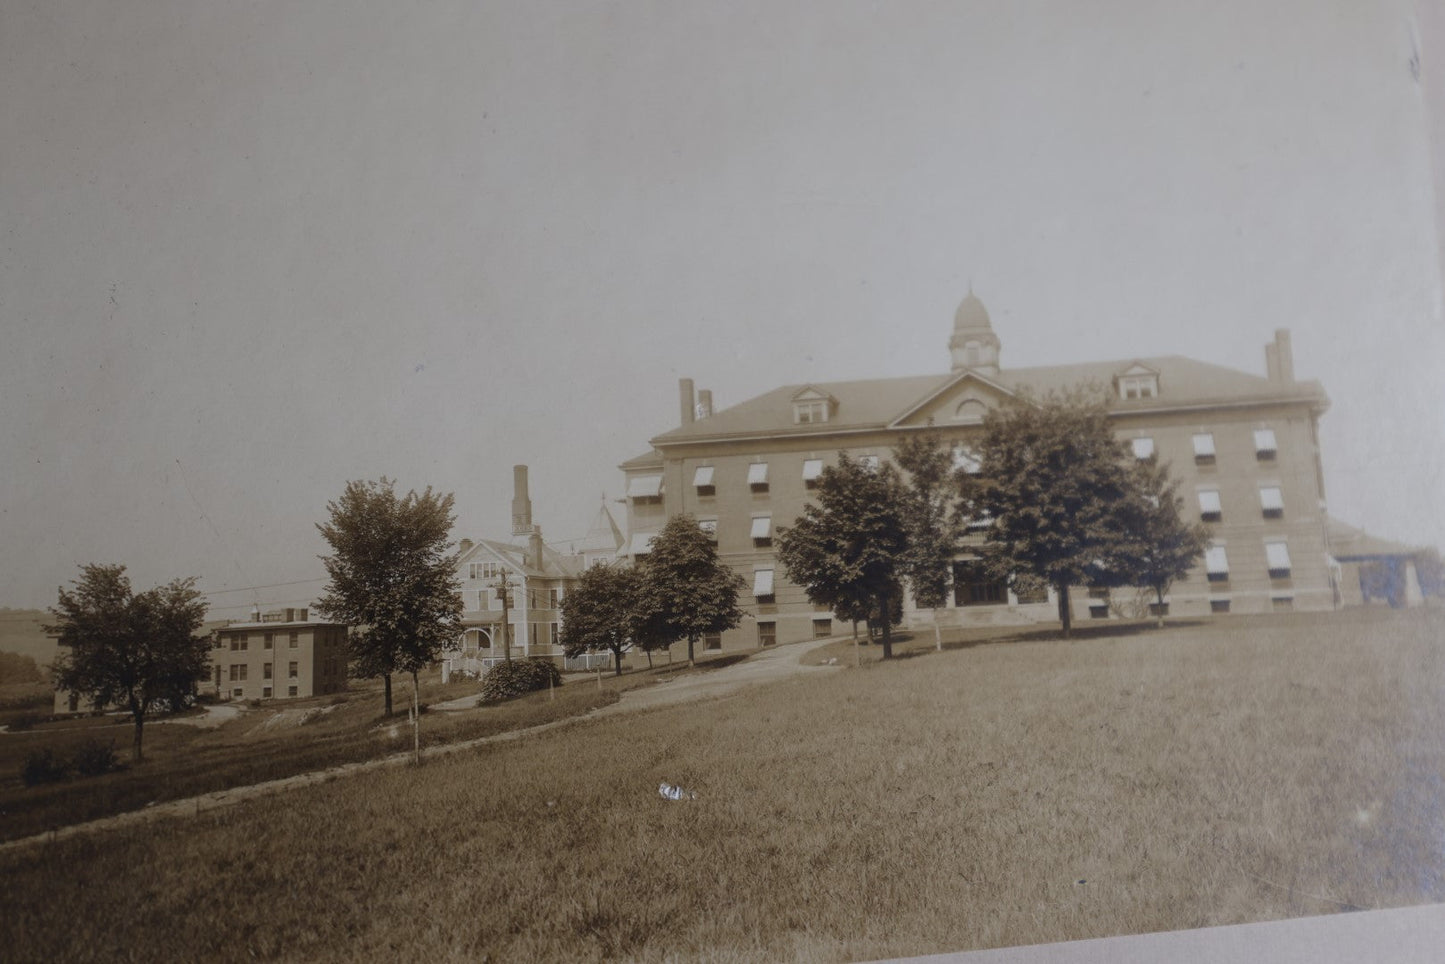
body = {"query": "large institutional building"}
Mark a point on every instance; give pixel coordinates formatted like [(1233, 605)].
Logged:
[(1244, 448)]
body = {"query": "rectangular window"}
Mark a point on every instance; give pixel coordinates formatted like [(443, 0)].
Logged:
[(554, 633), (1138, 386), (235, 672), (1098, 610), (1204, 448), (1209, 507), (1271, 500), (966, 460), (869, 462), (265, 670), (822, 628), (762, 532), (767, 634), (268, 642), (702, 480), (758, 476), (265, 692), (1265, 447), (290, 691), (295, 639), (554, 598), (1281, 604), (708, 526), (645, 488), (218, 683), (237, 692), (712, 640), (812, 472), (1216, 564), (235, 643), (1219, 605), (243, 668), (291, 668), (245, 643), (763, 585), (1143, 447), (1278, 555)]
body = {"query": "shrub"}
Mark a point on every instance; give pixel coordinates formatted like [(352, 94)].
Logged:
[(94, 758), (22, 721), (506, 681), (43, 766)]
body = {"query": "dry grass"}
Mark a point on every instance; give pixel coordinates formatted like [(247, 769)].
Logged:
[(995, 794)]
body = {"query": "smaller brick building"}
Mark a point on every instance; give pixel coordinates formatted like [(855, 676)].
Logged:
[(278, 655)]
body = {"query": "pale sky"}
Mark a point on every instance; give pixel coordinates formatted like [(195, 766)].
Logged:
[(251, 251)]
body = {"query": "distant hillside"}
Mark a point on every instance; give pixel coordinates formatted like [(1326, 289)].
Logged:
[(20, 632)]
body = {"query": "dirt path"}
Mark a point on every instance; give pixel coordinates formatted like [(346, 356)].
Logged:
[(781, 662)]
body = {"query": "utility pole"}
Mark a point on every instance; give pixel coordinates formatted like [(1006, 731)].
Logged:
[(504, 595)]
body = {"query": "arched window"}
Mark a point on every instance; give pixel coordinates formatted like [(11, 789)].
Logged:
[(970, 410)]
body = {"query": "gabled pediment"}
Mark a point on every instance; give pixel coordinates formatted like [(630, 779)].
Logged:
[(808, 393), (1136, 368), (962, 400)]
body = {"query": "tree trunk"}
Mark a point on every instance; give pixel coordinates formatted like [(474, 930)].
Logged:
[(857, 653), (937, 632), (617, 661), (415, 720), (690, 660), (1065, 613), (883, 602), (1159, 593), (386, 677), (135, 746), (649, 658)]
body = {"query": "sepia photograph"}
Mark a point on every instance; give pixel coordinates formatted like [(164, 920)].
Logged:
[(812, 480)]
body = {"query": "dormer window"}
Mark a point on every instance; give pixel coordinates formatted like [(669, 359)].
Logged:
[(1139, 386), (805, 413), (812, 407), (1138, 381)]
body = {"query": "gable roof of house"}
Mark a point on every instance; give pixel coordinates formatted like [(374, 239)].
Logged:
[(603, 536), (554, 564), (880, 402)]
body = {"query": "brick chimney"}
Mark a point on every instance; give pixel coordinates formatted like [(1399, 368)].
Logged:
[(1279, 358), (684, 391), (534, 548), (704, 403)]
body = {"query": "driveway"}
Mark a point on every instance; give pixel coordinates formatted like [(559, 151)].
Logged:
[(774, 663)]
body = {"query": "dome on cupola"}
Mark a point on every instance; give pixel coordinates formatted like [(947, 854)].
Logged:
[(971, 314), (973, 345)]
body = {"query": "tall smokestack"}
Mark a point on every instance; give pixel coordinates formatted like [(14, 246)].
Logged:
[(521, 503), (684, 390), (704, 403)]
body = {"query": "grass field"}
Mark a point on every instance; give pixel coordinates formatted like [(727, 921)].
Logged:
[(271, 742), (1001, 792)]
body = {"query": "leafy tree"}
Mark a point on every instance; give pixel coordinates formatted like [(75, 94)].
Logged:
[(599, 613), (1056, 486), (684, 592), (134, 651), (847, 549), (932, 521), (393, 578), (1158, 546)]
